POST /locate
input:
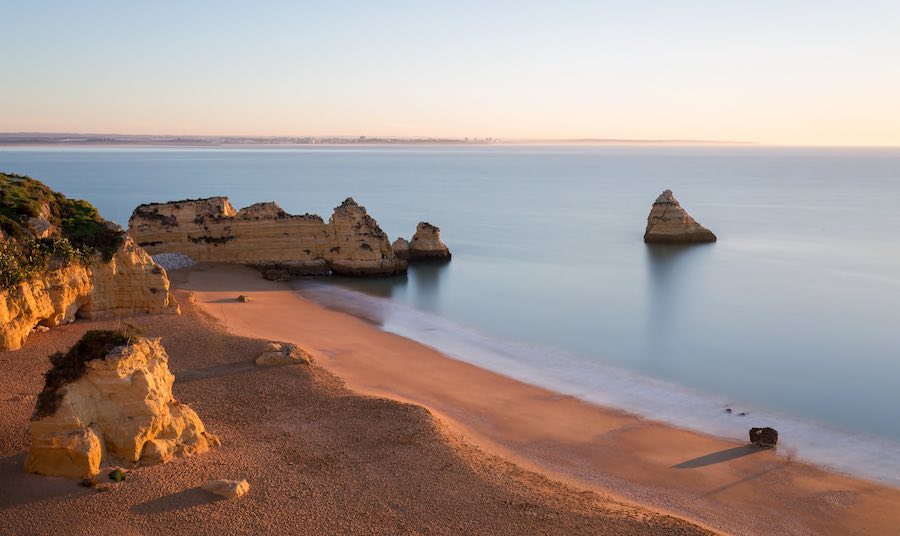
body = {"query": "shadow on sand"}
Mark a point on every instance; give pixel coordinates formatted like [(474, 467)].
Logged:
[(216, 371), (719, 457), (19, 488), (182, 500)]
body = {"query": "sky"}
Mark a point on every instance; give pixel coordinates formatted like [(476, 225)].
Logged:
[(794, 72)]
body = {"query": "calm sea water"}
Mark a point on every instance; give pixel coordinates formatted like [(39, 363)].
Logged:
[(793, 316)]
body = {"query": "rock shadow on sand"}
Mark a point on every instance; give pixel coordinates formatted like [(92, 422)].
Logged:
[(216, 371), (20, 488), (719, 457), (173, 502)]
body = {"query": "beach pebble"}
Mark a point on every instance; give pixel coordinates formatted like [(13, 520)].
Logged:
[(173, 261), (230, 489), (283, 354), (244, 299)]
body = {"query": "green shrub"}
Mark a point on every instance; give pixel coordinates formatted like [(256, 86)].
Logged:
[(82, 233)]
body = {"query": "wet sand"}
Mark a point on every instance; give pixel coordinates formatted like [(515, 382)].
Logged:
[(320, 458), (720, 483)]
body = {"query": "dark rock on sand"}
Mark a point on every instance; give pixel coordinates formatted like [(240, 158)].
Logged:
[(764, 437)]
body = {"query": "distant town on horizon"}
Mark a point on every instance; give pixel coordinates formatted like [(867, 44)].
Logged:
[(89, 139)]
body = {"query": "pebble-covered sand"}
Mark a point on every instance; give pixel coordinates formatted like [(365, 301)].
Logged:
[(173, 261), (319, 458)]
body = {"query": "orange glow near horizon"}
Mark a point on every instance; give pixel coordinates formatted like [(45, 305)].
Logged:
[(805, 74)]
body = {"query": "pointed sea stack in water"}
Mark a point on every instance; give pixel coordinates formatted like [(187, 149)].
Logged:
[(668, 223)]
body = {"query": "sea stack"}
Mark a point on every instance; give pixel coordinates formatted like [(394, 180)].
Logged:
[(265, 236), (401, 248), (668, 223), (426, 244), (109, 399)]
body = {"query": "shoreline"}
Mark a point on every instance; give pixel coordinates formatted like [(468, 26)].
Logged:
[(320, 459), (829, 447), (719, 483)]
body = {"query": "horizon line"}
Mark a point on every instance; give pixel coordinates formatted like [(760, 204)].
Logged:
[(7, 139)]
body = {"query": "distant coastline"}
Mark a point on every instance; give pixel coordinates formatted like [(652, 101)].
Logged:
[(18, 139)]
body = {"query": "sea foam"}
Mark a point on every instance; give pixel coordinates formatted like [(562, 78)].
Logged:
[(589, 380)]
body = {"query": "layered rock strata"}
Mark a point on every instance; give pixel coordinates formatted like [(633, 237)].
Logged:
[(114, 408), (668, 223), (264, 235), (426, 244)]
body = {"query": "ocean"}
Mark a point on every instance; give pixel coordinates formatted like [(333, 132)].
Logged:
[(792, 317)]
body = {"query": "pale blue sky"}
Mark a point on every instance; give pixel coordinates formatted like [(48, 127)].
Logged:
[(798, 72)]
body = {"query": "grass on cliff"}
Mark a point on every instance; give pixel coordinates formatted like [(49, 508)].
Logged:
[(81, 234), (68, 367)]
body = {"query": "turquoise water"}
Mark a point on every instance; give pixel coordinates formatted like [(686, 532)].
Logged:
[(793, 316)]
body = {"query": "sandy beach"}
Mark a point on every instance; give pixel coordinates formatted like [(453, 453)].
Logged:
[(722, 484), (383, 435), (320, 458)]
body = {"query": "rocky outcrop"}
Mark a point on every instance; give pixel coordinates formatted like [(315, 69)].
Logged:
[(401, 248), (60, 259), (47, 300), (264, 235), (110, 399), (668, 223), (426, 244), (130, 283), (230, 489), (277, 354)]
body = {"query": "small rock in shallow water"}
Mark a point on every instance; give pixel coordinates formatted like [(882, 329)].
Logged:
[(764, 437), (276, 274), (230, 489)]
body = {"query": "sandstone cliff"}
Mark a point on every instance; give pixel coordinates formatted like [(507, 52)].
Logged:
[(426, 244), (351, 243), (66, 261), (668, 223), (109, 400)]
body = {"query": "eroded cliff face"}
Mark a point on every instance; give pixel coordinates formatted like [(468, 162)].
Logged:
[(668, 223), (131, 283), (48, 300), (350, 243), (60, 259), (115, 409)]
